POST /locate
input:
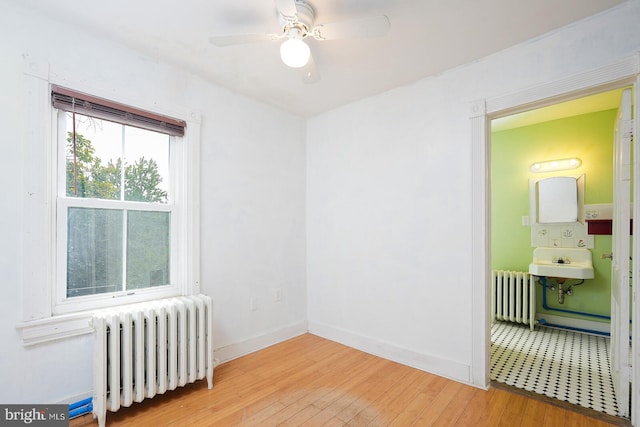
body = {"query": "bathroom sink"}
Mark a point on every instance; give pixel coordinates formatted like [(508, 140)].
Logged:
[(568, 263)]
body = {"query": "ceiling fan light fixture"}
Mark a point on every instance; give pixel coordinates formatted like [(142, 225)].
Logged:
[(295, 52)]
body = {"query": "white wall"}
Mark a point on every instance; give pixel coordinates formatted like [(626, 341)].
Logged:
[(252, 198), (389, 198), (253, 224)]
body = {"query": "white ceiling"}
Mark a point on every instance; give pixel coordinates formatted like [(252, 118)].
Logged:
[(426, 37)]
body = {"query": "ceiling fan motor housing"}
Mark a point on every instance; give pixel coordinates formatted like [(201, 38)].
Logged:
[(303, 20)]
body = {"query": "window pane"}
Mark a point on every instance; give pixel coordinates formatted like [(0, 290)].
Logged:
[(148, 249), (94, 161), (94, 251), (147, 165)]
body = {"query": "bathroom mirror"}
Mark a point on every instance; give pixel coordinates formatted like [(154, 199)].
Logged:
[(558, 199)]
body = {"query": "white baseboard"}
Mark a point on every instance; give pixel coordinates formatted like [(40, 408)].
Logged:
[(76, 398), (435, 365), (251, 345), (570, 322)]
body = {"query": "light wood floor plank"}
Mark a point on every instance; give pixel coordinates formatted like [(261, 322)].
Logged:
[(554, 417), (514, 412), (369, 391), (497, 405), (420, 403), (310, 381), (345, 392), (395, 381), (453, 412), (433, 412), (395, 403)]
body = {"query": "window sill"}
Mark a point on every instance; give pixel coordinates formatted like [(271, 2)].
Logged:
[(66, 325), (54, 328)]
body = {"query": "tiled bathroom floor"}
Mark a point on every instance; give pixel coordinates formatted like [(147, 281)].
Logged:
[(564, 365)]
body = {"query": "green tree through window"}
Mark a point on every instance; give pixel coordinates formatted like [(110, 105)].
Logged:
[(88, 177)]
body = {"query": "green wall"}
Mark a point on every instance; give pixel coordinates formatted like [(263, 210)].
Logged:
[(588, 137)]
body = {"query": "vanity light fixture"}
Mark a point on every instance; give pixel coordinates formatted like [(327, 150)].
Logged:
[(556, 165)]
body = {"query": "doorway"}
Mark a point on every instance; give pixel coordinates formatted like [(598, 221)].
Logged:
[(569, 362), (622, 73)]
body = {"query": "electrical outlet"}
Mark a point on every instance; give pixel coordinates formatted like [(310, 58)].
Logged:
[(278, 295)]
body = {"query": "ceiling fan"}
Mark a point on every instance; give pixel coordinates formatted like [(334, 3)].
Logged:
[(297, 18)]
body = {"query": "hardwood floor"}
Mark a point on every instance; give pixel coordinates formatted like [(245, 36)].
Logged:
[(310, 381)]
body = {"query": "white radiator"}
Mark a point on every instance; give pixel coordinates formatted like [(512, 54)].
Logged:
[(513, 297), (141, 350)]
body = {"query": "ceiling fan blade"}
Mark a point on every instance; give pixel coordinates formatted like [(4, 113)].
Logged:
[(374, 26), (287, 9), (309, 72), (236, 39)]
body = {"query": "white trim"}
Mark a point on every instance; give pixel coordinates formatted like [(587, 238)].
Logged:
[(251, 345), (75, 398), (191, 189), (443, 367), (612, 76), (36, 207), (39, 207), (55, 328), (635, 262), (480, 269)]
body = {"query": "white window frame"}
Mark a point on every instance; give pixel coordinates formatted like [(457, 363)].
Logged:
[(175, 205), (46, 315)]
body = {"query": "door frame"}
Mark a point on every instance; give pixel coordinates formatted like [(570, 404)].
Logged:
[(618, 74), (620, 246)]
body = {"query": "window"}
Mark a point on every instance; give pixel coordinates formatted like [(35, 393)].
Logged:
[(47, 312), (118, 210)]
